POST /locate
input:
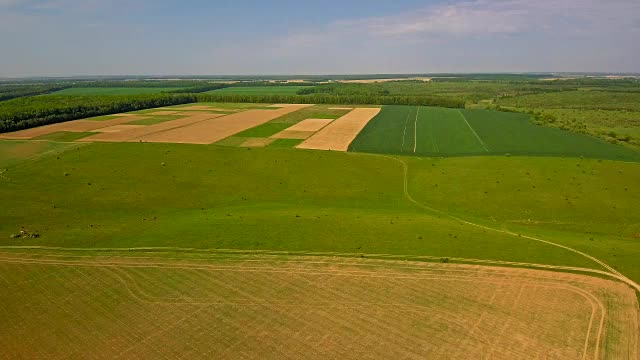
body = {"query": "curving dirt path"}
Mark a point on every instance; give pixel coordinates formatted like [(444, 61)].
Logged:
[(408, 196)]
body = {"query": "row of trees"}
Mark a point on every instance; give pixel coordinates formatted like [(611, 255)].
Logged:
[(8, 92), (138, 84), (335, 99), (198, 89), (30, 112)]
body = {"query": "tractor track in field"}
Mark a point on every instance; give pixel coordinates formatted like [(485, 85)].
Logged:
[(118, 269), (613, 272), (473, 131), (404, 133)]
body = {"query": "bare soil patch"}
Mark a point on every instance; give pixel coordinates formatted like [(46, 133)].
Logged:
[(310, 125), (370, 81), (164, 112), (289, 134), (135, 134), (299, 106), (340, 108), (123, 115), (271, 307), (210, 131), (202, 108), (340, 133), (257, 142), (118, 128)]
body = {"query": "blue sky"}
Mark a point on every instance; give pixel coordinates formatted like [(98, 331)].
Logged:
[(97, 37)]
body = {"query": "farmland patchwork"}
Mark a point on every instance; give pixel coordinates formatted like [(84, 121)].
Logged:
[(402, 130)]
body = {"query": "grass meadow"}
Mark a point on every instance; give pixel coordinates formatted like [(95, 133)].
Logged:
[(126, 195)]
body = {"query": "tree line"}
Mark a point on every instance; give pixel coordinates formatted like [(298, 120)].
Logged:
[(8, 92), (23, 113), (371, 99)]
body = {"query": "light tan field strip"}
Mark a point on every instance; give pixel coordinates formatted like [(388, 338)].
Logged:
[(302, 130), (209, 254), (186, 111), (118, 128), (134, 134), (310, 125), (257, 142), (340, 133), (288, 134), (71, 126), (197, 107), (210, 131), (478, 313), (164, 113)]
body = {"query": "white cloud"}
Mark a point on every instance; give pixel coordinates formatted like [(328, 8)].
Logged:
[(482, 18)]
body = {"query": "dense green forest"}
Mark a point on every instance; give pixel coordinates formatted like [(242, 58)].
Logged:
[(8, 92), (29, 112), (470, 91), (356, 99)]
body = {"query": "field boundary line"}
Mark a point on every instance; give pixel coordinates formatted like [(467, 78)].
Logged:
[(46, 154), (613, 271), (474, 132), (404, 133), (379, 257)]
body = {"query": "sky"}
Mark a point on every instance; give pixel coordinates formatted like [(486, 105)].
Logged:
[(255, 37)]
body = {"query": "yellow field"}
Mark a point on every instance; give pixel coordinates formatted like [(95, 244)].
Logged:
[(216, 305)]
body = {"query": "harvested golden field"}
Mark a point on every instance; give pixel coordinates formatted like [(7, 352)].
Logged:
[(371, 81), (118, 128), (163, 113), (257, 142), (340, 133), (310, 125), (134, 134), (210, 131), (72, 126), (289, 134), (217, 305)]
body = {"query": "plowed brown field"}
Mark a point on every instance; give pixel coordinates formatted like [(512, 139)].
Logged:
[(222, 306)]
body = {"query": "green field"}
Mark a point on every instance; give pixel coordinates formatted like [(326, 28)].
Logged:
[(259, 90), (112, 91), (147, 195), (19, 152), (430, 131)]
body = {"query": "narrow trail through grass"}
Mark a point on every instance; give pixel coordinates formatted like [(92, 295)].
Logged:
[(613, 272)]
